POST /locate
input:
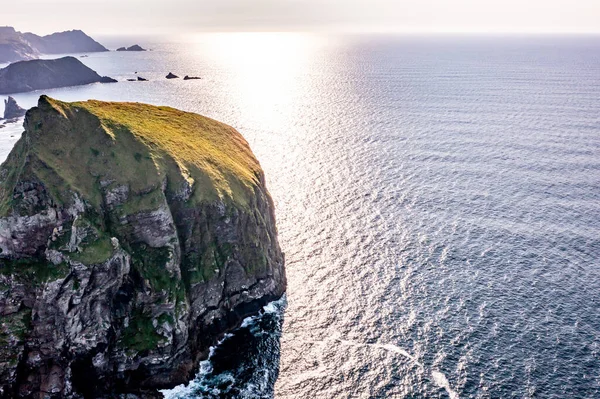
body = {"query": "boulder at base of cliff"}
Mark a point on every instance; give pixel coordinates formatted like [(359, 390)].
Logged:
[(132, 237), (12, 109)]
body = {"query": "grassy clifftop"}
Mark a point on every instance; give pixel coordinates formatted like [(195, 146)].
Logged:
[(93, 146)]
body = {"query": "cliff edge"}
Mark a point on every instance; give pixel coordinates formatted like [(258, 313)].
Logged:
[(131, 238)]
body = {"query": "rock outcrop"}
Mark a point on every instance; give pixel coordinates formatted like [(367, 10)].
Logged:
[(131, 238), (17, 46), (32, 75), (135, 47), (171, 75), (12, 109), (186, 77)]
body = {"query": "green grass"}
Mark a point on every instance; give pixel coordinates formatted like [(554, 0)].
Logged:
[(140, 334), (33, 271), (72, 147), (98, 251)]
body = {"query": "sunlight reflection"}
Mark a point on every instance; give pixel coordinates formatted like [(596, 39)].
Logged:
[(266, 70)]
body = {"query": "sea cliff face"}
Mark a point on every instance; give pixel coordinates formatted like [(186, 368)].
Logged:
[(131, 238)]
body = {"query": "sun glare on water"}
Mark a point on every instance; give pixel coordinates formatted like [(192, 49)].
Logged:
[(266, 71)]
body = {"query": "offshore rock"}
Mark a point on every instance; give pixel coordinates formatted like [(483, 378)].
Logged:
[(132, 237), (135, 47), (12, 110)]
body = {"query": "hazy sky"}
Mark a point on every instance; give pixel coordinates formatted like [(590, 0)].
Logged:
[(182, 16)]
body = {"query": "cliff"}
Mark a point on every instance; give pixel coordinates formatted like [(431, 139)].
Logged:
[(131, 238), (17, 46), (32, 75)]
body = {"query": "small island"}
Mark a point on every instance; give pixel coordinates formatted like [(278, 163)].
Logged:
[(135, 47), (186, 77), (24, 76), (171, 75)]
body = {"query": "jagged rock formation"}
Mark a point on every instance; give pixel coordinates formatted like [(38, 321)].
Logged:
[(32, 75), (135, 47), (17, 46), (12, 109), (131, 237)]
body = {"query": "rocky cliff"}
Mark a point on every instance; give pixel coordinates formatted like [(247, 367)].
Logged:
[(17, 46), (32, 75), (131, 238)]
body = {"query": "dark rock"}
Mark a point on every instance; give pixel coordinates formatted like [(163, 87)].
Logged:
[(135, 47), (117, 277), (32, 75), (171, 75), (106, 79), (12, 109), (186, 77), (132, 80), (141, 79)]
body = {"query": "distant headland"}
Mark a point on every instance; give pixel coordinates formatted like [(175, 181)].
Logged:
[(17, 46)]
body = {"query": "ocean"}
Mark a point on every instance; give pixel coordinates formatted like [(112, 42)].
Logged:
[(438, 202)]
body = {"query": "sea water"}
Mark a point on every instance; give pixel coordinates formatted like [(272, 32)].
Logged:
[(438, 201)]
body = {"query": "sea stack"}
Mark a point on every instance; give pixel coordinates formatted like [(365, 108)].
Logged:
[(132, 237), (12, 110)]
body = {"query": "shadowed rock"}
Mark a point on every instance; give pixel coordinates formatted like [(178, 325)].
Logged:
[(32, 75), (171, 75)]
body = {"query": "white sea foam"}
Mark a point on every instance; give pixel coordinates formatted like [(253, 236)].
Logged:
[(438, 377)]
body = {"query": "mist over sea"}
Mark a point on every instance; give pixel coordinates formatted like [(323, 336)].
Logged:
[(438, 201)]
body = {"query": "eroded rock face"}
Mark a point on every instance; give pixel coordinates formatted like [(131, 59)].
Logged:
[(114, 283), (12, 109)]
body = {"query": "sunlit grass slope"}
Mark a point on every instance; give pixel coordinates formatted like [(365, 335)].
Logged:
[(83, 146)]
